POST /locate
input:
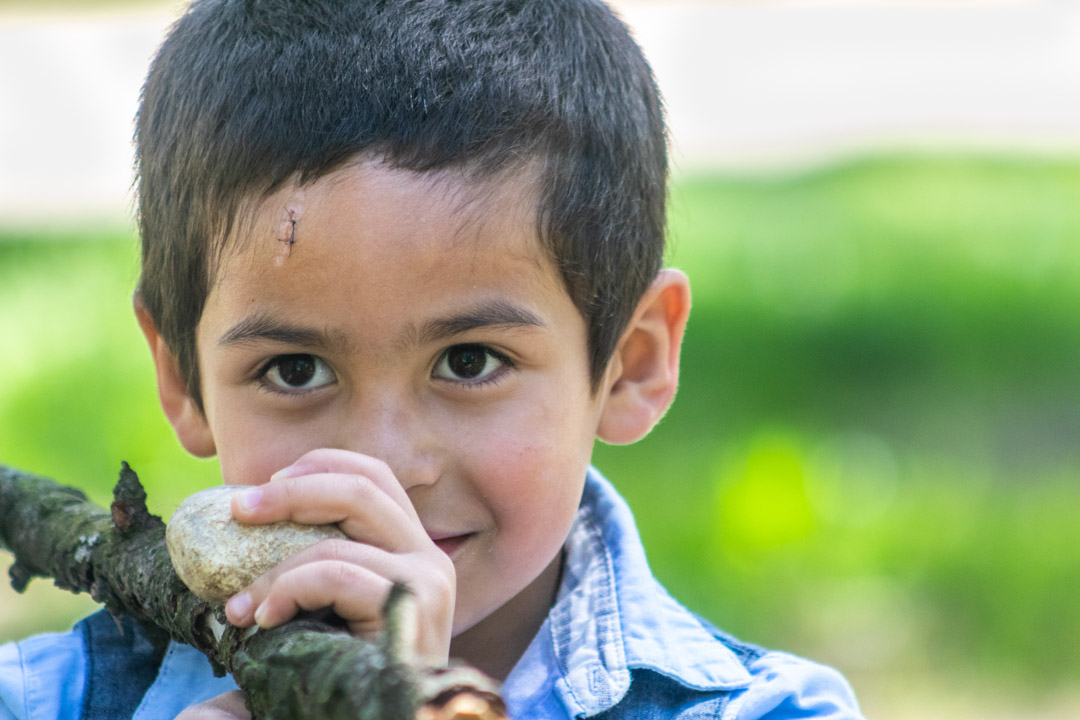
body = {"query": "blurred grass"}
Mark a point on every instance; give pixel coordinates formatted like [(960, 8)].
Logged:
[(872, 460), (874, 456)]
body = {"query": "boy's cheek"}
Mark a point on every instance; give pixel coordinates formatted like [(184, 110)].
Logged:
[(254, 465), (250, 450)]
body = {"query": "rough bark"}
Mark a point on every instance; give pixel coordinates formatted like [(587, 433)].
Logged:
[(304, 668)]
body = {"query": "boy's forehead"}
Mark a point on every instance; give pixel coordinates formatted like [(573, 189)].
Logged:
[(442, 213), (507, 198), (379, 195), (372, 257)]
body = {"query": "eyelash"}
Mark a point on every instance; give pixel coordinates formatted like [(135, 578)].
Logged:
[(491, 378), (275, 362), (496, 376)]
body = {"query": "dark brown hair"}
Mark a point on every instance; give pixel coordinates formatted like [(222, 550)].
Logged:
[(245, 94)]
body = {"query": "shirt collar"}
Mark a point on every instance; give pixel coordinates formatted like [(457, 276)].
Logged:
[(612, 615)]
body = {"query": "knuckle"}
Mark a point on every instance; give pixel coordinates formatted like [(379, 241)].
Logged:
[(341, 575), (318, 458), (381, 468), (337, 551), (357, 487), (289, 492)]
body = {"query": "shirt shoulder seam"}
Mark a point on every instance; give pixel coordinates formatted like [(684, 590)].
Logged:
[(25, 676)]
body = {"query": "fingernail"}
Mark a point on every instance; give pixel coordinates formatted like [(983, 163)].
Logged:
[(260, 615), (239, 606), (249, 499), (286, 473)]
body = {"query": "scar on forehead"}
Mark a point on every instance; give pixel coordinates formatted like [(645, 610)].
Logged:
[(286, 235)]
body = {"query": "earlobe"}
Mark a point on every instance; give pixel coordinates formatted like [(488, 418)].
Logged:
[(180, 408), (644, 371)]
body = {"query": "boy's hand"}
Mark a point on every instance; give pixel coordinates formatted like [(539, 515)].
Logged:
[(229, 706), (387, 544)]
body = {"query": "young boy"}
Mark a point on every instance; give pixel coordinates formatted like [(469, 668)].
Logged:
[(401, 268)]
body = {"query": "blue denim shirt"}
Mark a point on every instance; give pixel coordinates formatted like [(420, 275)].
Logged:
[(615, 645)]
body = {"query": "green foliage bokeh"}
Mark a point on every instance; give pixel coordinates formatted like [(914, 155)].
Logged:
[(873, 456)]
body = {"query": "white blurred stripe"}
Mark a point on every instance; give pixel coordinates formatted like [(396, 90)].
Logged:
[(775, 83), (747, 84), (70, 88)]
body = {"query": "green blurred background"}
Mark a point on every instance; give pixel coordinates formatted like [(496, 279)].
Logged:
[(872, 460)]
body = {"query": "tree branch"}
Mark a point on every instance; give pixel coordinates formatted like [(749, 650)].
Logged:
[(286, 673)]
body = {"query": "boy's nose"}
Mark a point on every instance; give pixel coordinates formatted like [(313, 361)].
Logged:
[(398, 435)]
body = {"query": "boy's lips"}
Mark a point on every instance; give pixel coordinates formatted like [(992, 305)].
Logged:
[(450, 543)]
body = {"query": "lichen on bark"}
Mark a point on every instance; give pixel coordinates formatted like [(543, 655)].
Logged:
[(294, 671)]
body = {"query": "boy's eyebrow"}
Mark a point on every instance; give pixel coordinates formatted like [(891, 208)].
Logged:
[(488, 315), (267, 327), (498, 313)]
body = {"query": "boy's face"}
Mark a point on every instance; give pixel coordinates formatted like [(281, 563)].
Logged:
[(415, 319)]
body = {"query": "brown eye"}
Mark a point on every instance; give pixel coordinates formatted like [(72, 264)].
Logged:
[(470, 364), (467, 361), (298, 372)]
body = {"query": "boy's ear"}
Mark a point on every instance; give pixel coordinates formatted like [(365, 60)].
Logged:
[(180, 407), (644, 370)]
